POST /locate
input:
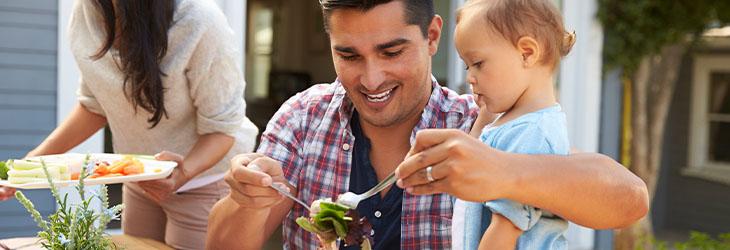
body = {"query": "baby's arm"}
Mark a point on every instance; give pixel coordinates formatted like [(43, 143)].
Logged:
[(501, 234)]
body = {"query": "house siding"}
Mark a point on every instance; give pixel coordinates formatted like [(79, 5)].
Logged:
[(28, 60), (682, 202)]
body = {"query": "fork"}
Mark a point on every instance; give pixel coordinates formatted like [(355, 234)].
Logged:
[(351, 199), (290, 196)]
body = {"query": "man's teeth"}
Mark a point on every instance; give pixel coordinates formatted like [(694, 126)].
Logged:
[(379, 97)]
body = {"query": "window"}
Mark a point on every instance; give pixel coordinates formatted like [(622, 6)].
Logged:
[(709, 154), (260, 49)]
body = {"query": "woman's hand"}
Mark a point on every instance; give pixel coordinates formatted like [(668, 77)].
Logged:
[(6, 193), (460, 165), (159, 190)]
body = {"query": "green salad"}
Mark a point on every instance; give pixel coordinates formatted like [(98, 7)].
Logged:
[(331, 221)]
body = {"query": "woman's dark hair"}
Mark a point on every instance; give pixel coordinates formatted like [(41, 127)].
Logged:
[(418, 12), (141, 42)]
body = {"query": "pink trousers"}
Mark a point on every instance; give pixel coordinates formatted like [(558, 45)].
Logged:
[(181, 220)]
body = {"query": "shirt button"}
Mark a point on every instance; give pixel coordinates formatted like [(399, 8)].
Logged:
[(372, 232), (378, 214), (345, 146)]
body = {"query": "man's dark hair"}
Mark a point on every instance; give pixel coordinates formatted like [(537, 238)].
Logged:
[(418, 12)]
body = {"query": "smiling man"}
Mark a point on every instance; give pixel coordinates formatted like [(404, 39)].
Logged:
[(352, 133)]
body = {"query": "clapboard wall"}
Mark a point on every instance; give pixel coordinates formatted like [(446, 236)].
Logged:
[(28, 55), (683, 203)]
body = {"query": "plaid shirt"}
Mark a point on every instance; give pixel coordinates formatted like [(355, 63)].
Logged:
[(311, 136)]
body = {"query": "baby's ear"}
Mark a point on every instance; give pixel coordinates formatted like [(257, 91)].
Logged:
[(530, 50)]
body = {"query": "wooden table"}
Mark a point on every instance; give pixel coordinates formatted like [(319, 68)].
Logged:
[(123, 241)]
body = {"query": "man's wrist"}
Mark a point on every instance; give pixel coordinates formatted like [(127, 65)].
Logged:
[(513, 174), (254, 212)]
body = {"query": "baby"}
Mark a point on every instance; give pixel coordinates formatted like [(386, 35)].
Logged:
[(511, 49)]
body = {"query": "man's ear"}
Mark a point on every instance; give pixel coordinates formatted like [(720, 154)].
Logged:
[(530, 50), (434, 34)]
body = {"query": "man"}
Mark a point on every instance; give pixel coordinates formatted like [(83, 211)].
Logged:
[(349, 135)]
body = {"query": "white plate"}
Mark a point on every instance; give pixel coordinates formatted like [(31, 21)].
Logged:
[(76, 160)]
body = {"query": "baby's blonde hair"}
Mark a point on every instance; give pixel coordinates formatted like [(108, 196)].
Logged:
[(539, 19)]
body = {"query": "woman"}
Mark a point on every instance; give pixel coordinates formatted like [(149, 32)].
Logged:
[(164, 76)]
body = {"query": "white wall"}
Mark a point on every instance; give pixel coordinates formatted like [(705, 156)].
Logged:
[(235, 10), (580, 90), (456, 73)]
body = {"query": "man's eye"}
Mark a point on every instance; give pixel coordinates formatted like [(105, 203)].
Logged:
[(349, 57), (393, 54)]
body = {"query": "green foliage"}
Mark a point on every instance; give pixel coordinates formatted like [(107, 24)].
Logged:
[(697, 241), (635, 29), (74, 226), (3, 171)]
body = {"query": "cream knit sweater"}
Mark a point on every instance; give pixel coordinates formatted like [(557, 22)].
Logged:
[(204, 84)]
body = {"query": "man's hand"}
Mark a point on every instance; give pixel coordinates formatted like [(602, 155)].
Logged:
[(250, 176), (159, 190), (253, 210), (6, 193), (460, 165)]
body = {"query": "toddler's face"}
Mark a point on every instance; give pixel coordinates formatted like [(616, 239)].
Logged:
[(495, 68)]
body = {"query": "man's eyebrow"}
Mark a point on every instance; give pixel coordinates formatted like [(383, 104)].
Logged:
[(383, 46), (345, 49), (391, 44)]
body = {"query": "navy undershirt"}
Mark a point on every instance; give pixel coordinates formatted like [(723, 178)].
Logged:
[(383, 213)]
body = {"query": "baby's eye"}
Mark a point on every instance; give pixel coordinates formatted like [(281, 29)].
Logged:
[(477, 64)]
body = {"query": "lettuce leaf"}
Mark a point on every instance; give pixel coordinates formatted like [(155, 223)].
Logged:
[(332, 221)]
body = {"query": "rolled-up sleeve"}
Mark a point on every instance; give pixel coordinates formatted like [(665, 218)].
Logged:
[(282, 138), (216, 83), (522, 216), (87, 99)]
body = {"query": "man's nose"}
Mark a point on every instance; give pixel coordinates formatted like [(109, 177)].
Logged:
[(373, 77)]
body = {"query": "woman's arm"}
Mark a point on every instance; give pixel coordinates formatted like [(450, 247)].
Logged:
[(208, 150), (78, 126)]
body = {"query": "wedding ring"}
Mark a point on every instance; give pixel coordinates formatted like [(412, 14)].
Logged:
[(429, 176)]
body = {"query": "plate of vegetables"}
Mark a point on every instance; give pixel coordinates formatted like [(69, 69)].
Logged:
[(64, 170), (334, 223)]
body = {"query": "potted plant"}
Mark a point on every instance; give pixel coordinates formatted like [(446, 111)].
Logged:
[(74, 226)]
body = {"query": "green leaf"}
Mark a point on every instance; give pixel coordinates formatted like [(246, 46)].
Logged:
[(3, 171), (306, 225), (339, 225), (333, 206)]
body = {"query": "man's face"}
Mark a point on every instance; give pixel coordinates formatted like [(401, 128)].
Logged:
[(383, 62)]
